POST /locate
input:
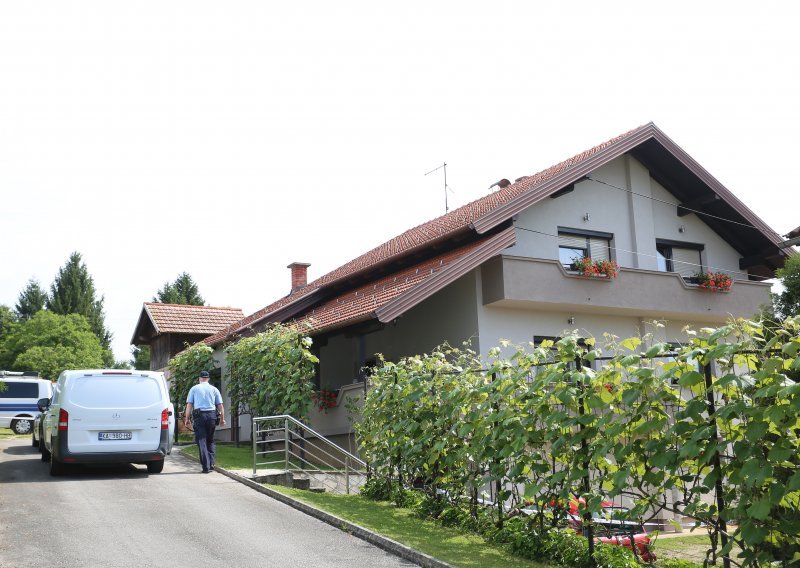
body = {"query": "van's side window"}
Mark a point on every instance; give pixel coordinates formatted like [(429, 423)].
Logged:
[(20, 390)]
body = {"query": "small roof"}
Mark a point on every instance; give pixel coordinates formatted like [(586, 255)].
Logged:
[(157, 318)]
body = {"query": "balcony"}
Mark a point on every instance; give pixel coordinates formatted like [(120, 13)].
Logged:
[(528, 283), (337, 420)]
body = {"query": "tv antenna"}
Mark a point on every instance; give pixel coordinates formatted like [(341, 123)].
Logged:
[(444, 168)]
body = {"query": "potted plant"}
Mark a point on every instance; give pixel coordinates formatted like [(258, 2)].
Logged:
[(324, 398), (713, 281), (595, 268)]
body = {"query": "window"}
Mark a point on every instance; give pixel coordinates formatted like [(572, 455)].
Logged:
[(576, 244), (20, 390), (683, 258)]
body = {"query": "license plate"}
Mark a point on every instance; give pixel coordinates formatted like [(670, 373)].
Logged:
[(115, 436)]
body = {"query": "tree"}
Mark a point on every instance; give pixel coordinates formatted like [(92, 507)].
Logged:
[(184, 369), (7, 320), (73, 292), (141, 357), (787, 303), (31, 300), (271, 372), (50, 343), (182, 291)]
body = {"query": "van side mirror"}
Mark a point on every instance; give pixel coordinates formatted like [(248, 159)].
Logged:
[(43, 404)]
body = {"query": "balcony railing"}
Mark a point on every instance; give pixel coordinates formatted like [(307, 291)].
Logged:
[(511, 281)]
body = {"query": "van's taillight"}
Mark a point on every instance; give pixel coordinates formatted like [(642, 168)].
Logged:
[(63, 419), (165, 419)]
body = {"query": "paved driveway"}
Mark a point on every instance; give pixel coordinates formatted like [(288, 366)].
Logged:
[(120, 516)]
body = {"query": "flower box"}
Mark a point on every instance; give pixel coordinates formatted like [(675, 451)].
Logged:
[(595, 268), (324, 399), (713, 281)]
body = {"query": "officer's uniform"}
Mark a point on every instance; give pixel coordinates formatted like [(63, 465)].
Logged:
[(204, 398)]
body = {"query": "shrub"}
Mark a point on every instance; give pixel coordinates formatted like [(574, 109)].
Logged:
[(377, 489), (429, 506), (609, 556), (567, 548), (673, 563)]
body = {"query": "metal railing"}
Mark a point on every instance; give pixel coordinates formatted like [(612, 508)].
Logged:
[(285, 443)]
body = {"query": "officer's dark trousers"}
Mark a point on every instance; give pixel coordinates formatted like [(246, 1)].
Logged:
[(204, 425)]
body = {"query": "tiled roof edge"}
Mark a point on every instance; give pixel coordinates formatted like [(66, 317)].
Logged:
[(424, 290), (152, 319), (538, 192)]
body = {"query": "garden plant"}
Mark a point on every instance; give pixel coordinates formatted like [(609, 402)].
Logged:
[(707, 431)]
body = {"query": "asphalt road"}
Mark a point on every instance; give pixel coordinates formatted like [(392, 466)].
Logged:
[(120, 516)]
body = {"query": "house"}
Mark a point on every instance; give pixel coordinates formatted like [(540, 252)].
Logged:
[(500, 267), (168, 328)]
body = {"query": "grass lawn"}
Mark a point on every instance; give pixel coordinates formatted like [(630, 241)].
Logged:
[(228, 455), (449, 545), (8, 434), (231, 457), (691, 547)]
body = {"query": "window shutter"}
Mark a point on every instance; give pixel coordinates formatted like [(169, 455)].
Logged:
[(686, 262), (571, 241), (598, 249)]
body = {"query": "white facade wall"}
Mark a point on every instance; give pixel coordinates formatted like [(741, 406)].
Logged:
[(635, 221), (449, 316)]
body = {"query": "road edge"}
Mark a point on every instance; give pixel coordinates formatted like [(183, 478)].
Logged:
[(382, 542)]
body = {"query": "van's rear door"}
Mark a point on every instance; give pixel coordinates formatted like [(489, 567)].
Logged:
[(114, 413)]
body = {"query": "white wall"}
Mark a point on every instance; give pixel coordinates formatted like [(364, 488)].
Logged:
[(717, 255), (449, 315), (636, 222)]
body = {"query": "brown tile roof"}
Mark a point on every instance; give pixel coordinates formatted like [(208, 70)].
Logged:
[(365, 302), (179, 318), (459, 219), (456, 221), (475, 218)]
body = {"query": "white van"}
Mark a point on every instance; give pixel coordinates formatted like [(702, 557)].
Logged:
[(107, 416), (18, 400)]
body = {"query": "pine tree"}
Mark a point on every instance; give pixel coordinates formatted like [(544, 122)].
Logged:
[(141, 357), (182, 291), (31, 300), (73, 292)]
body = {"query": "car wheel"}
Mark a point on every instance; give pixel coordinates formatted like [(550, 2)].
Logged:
[(21, 426), (56, 467), (155, 466), (34, 441)]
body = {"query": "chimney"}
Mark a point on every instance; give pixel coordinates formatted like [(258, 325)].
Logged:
[(299, 276), (502, 184)]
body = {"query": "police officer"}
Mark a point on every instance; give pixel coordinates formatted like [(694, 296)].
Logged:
[(203, 404)]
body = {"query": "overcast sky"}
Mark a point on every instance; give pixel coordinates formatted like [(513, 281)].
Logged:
[(229, 139)]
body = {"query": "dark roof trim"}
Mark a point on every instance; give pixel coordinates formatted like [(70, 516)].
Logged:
[(585, 233), (426, 289), (614, 150), (140, 324)]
